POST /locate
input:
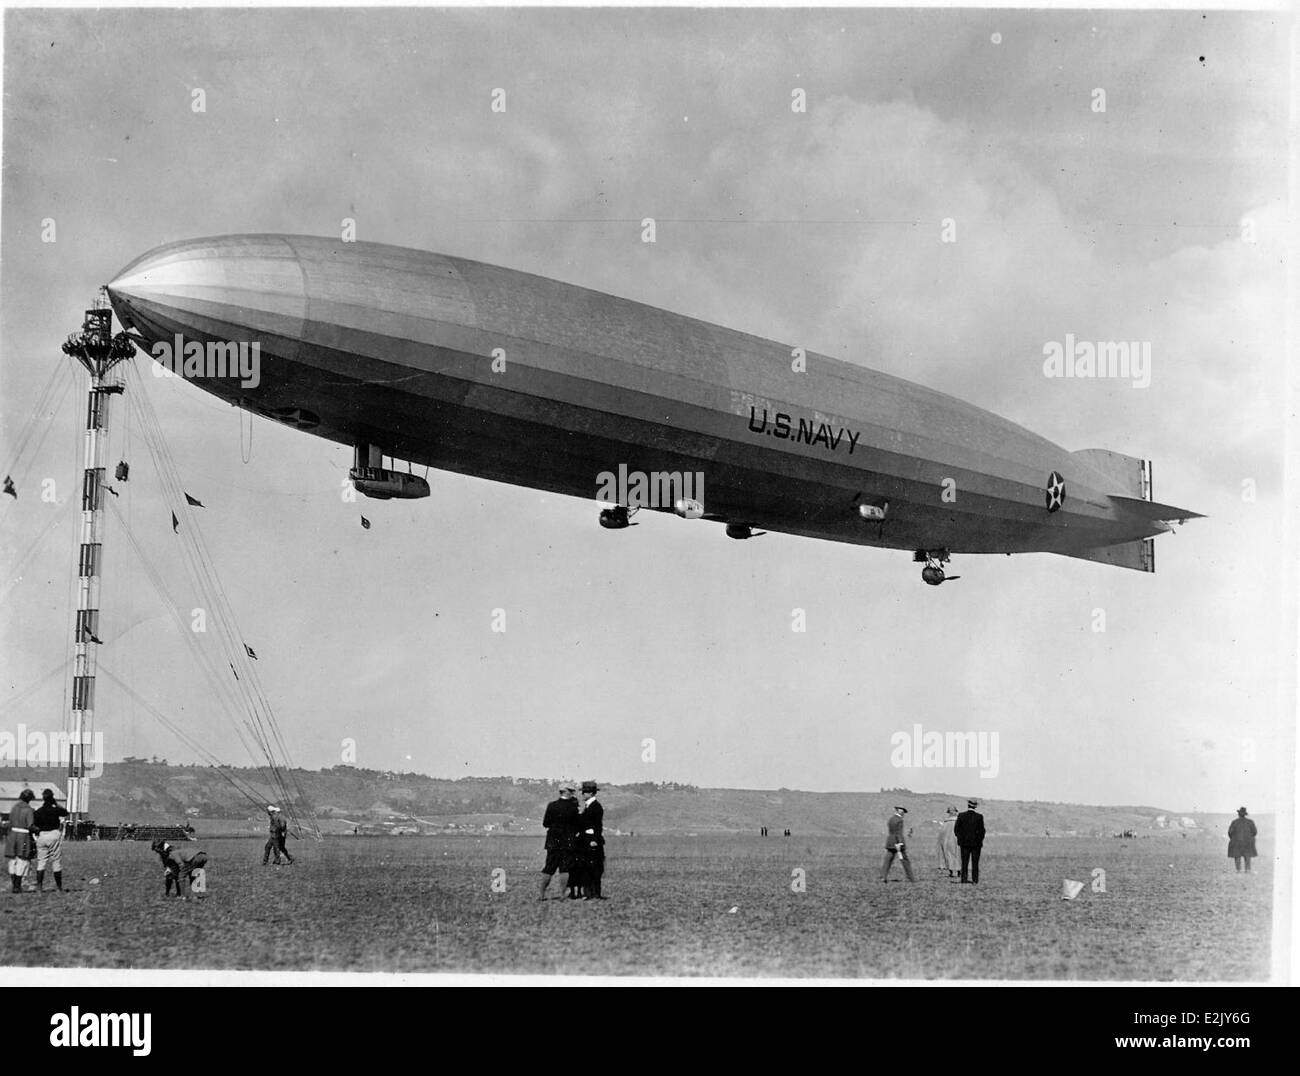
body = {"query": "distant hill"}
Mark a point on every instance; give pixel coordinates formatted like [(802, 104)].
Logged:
[(345, 797)]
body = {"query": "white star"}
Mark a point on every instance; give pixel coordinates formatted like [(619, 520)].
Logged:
[(1055, 491)]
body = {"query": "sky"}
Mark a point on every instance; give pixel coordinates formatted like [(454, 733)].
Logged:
[(666, 652)]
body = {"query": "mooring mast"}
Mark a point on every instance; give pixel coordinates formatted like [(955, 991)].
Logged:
[(99, 351)]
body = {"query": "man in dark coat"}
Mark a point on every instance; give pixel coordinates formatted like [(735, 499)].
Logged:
[(969, 831), (561, 822), (895, 845), (591, 842), (20, 846), (1241, 839), (48, 830)]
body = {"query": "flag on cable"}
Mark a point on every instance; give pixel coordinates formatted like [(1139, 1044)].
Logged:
[(176, 524), (365, 522), (9, 487), (251, 653), (193, 500)]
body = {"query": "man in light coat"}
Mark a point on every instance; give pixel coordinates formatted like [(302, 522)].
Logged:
[(946, 845)]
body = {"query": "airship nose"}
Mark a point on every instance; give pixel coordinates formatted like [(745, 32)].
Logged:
[(120, 300), (229, 288)]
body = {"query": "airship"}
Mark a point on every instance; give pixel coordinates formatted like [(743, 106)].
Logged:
[(458, 365)]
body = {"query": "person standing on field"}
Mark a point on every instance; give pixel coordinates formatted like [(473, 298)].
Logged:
[(969, 830), (591, 842), (1241, 839), (277, 832), (946, 845), (48, 829), (19, 845), (561, 823), (895, 845)]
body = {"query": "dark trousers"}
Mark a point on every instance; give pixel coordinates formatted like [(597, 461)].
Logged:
[(593, 869), (888, 862), (275, 847), (588, 866), (183, 876), (970, 857)]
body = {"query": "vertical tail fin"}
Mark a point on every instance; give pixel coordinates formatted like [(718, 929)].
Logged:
[(1139, 555), (1125, 475)]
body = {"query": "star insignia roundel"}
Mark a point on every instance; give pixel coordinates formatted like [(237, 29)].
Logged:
[(1055, 491)]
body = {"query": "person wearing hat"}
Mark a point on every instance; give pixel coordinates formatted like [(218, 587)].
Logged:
[(591, 842), (19, 845), (895, 845), (179, 866), (946, 845), (48, 823), (561, 823), (277, 832), (1241, 839), (969, 831)]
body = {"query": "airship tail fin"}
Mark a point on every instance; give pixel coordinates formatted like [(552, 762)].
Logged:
[(1127, 481), (1154, 510), (1139, 555), (1125, 475)]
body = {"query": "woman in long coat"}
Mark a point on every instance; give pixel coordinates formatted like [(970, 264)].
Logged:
[(946, 845), (20, 847), (1241, 839)]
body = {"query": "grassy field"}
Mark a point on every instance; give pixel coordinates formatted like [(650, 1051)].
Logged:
[(1173, 910)]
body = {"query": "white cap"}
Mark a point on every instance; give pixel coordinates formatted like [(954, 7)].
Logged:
[(272, 807)]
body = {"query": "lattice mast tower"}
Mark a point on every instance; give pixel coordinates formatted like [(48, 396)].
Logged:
[(100, 352)]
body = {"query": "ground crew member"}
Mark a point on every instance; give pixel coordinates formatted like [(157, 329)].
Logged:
[(49, 840), (19, 846), (278, 831), (179, 865), (895, 845)]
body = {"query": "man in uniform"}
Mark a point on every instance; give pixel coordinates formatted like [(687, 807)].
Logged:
[(969, 830), (895, 845), (19, 846), (561, 822), (49, 840), (277, 831), (591, 841), (179, 866)]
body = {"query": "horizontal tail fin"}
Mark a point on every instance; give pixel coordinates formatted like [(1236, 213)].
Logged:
[(1166, 513), (1139, 555)]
